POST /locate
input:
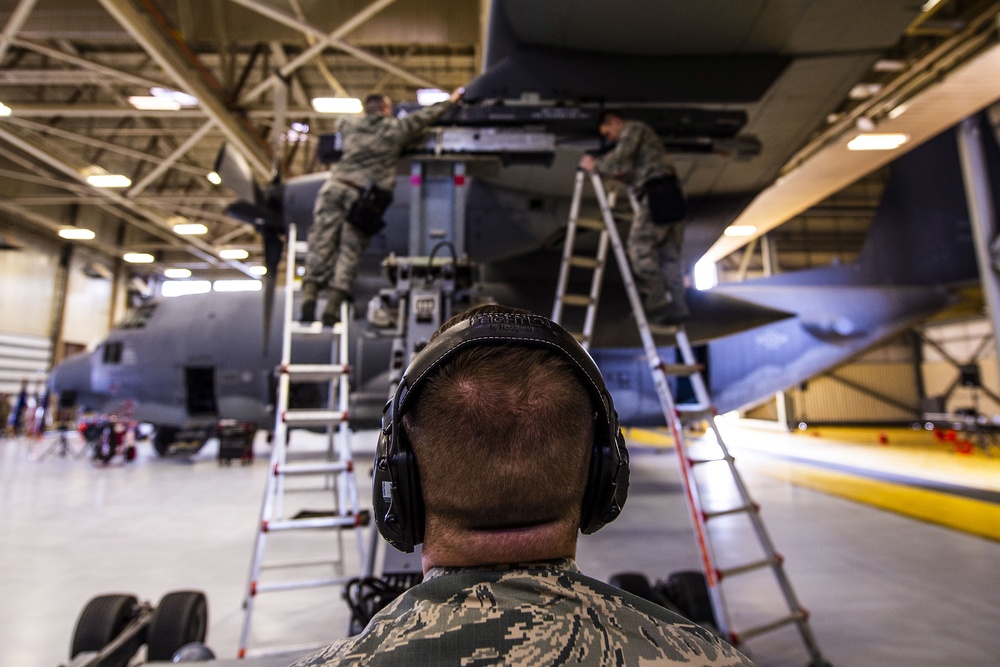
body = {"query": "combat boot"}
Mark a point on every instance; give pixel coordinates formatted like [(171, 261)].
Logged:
[(308, 302), (331, 314)]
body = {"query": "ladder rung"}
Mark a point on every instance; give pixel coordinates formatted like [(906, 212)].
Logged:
[(773, 561), (584, 262), (314, 417), (312, 523), (664, 329), (590, 223), (296, 585), (314, 328), (795, 617), (313, 468), (695, 461), (712, 514), (678, 369), (577, 299), (693, 409), (314, 371)]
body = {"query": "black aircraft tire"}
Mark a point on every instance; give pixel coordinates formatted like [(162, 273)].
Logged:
[(689, 592), (179, 619), (103, 619), (163, 438)]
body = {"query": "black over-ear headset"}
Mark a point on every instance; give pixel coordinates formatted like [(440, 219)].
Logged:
[(396, 495)]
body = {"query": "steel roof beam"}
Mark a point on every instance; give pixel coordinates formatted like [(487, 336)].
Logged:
[(14, 25), (167, 53)]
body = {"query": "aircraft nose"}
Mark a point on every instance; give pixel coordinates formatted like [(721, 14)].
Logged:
[(72, 375)]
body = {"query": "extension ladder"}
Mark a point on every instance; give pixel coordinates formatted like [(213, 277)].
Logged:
[(334, 466), (696, 487)]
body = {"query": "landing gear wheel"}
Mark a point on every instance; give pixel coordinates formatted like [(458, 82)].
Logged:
[(103, 619), (163, 438), (179, 619), (634, 583), (689, 591)]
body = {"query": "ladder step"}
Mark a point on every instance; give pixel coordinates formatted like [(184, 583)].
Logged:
[(590, 223), (682, 370), (316, 522), (798, 616), (774, 561), (734, 510), (577, 300), (314, 328), (696, 461), (314, 468), (306, 372), (696, 410), (584, 262), (314, 417), (297, 585)]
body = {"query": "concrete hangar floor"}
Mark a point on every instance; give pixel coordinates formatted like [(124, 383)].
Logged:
[(883, 588)]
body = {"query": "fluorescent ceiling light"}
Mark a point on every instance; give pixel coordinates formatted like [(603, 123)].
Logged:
[(429, 96), (864, 90), (177, 273), (76, 233), (138, 258), (705, 274), (929, 5), (740, 230), (337, 105), (190, 228), (236, 286), (151, 103), (258, 270), (175, 96), (877, 142), (889, 65), (214, 178), (898, 111), (233, 253), (184, 287), (4, 109), (109, 180)]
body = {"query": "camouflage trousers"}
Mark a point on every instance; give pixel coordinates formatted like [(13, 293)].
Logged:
[(655, 254), (335, 246)]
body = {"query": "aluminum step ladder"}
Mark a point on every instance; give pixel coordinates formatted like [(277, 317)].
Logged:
[(699, 489), (330, 472)]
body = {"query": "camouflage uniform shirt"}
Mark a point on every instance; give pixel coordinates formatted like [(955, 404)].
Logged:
[(638, 156), (535, 614), (373, 143)]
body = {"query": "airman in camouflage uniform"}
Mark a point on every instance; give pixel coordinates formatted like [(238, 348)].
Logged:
[(502, 434), (654, 250), (372, 145), (532, 614)]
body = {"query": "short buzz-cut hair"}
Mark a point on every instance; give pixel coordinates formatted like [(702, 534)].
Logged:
[(375, 102), (608, 114), (502, 436)]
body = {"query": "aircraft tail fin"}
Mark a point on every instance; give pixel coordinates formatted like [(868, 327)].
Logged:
[(921, 234)]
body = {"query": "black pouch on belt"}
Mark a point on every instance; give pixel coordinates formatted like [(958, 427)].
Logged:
[(367, 211), (666, 201)]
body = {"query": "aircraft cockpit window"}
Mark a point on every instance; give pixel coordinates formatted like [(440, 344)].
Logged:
[(112, 352), (137, 319)]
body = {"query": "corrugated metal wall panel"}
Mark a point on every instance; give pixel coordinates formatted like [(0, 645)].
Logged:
[(827, 400), (22, 357)]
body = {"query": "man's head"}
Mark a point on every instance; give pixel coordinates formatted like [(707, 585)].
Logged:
[(611, 125), (378, 105), (503, 413)]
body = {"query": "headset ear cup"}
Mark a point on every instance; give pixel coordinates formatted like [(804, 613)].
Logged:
[(397, 501), (608, 476)]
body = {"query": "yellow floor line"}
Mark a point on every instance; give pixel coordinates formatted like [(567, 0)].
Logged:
[(965, 514)]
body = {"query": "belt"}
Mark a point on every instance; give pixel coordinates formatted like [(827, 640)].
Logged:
[(354, 185)]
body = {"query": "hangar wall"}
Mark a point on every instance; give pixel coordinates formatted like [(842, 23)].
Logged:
[(900, 380), (29, 300)]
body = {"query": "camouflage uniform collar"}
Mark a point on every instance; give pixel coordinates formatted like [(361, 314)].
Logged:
[(530, 568)]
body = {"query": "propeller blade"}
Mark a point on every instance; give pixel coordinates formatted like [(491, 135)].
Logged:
[(274, 245), (236, 174)]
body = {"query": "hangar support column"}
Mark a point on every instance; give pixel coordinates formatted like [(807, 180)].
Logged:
[(982, 216)]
